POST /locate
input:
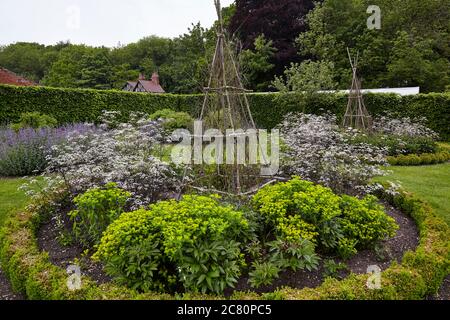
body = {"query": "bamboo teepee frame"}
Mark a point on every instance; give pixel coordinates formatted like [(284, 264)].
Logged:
[(356, 115), (226, 107)]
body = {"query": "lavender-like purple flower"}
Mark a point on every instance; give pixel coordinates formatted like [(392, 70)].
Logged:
[(24, 152)]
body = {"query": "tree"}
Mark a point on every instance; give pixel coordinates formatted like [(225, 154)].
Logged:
[(66, 70), (413, 63), (335, 25), (281, 21), (96, 69), (257, 64), (307, 77)]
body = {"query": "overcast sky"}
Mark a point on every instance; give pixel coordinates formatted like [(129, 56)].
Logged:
[(100, 22)]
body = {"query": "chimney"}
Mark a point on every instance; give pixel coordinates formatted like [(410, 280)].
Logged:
[(141, 76), (155, 78)]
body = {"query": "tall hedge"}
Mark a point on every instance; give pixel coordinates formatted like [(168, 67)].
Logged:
[(75, 105)]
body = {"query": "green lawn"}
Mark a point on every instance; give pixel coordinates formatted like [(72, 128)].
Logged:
[(11, 198), (431, 183)]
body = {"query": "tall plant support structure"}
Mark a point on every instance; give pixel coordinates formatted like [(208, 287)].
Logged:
[(226, 108), (356, 115)]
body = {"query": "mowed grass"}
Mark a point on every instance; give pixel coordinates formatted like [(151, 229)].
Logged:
[(431, 183), (11, 198)]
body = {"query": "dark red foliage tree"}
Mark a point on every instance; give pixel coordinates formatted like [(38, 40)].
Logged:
[(279, 20)]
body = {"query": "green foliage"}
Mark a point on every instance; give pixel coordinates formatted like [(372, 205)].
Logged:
[(309, 76), (420, 160), (301, 210), (73, 105), (293, 255), (420, 275), (137, 267), (34, 120), (408, 50), (192, 234), (257, 64), (405, 145), (95, 210), (173, 120), (263, 274), (333, 268), (211, 266), (365, 220)]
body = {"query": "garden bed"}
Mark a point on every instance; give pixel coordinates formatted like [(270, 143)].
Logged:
[(390, 250), (421, 273)]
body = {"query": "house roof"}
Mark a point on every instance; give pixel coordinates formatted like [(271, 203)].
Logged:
[(132, 83), (9, 77), (151, 86)]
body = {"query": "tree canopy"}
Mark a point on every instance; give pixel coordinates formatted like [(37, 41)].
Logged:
[(296, 43)]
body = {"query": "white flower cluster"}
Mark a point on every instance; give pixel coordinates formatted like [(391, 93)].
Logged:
[(124, 154), (403, 127), (319, 151)]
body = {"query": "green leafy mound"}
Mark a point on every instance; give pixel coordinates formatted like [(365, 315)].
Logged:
[(173, 120), (301, 209), (34, 120), (95, 210), (194, 243)]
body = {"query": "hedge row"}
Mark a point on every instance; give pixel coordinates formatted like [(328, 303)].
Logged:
[(421, 273), (78, 105), (419, 159)]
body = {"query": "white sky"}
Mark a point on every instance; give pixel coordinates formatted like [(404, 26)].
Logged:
[(100, 22)]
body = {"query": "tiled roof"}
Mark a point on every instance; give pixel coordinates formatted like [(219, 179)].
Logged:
[(8, 77), (151, 86)]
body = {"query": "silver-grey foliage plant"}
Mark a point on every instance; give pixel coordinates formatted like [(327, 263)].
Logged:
[(316, 149), (123, 153)]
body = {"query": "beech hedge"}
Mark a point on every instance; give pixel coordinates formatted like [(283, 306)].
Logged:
[(80, 105)]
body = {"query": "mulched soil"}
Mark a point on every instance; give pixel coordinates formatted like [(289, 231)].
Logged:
[(444, 293), (6, 292), (64, 256)]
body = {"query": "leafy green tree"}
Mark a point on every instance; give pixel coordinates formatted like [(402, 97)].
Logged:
[(66, 70), (413, 63), (96, 69), (335, 25), (309, 76), (258, 64)]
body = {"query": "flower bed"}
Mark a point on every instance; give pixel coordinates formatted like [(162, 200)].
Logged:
[(420, 274)]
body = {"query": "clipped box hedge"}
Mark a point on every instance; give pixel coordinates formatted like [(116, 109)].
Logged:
[(420, 274), (80, 105)]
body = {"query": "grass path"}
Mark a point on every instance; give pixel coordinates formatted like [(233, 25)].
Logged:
[(431, 183), (10, 198)]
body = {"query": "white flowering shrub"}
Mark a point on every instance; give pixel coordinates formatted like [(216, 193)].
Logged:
[(123, 153), (317, 150), (402, 136), (406, 127)]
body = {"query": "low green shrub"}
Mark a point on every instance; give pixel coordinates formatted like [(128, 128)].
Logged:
[(173, 120), (34, 120), (400, 145), (421, 159), (197, 240), (302, 210), (95, 210)]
